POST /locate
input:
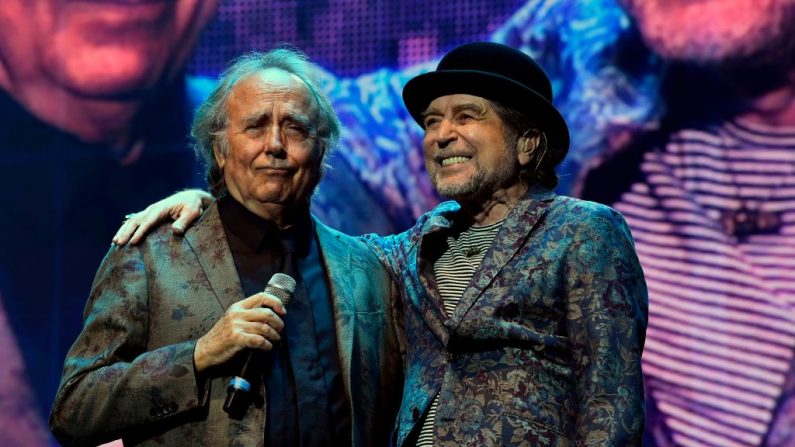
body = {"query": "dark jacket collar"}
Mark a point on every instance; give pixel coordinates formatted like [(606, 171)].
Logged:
[(445, 215)]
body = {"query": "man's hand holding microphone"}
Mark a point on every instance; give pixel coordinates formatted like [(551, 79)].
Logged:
[(254, 324)]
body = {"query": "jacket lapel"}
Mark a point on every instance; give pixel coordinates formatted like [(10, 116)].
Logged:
[(430, 303), (336, 257), (509, 239), (208, 241)]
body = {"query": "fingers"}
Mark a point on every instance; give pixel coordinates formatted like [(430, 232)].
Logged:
[(137, 225), (260, 343), (262, 315), (184, 207), (148, 219), (273, 302), (126, 231), (264, 331), (263, 299), (138, 234), (260, 308), (185, 217), (239, 328)]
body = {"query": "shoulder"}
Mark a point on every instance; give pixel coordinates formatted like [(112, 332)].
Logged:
[(155, 237), (161, 245), (583, 219), (340, 242), (443, 209), (440, 216), (571, 207), (325, 232)]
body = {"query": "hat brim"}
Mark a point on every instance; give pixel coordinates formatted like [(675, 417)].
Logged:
[(420, 91)]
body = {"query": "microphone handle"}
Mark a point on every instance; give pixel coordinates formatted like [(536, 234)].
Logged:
[(238, 393)]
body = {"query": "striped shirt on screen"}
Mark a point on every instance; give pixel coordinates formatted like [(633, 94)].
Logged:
[(721, 306)]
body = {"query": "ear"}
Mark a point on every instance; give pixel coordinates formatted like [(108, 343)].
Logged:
[(219, 157), (527, 144)]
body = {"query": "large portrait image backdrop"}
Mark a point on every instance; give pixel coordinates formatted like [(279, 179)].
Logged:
[(682, 117)]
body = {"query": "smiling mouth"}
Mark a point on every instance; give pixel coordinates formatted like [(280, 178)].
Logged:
[(449, 161)]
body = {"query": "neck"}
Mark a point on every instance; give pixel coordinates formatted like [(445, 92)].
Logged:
[(493, 208), (774, 106), (91, 120), (283, 216)]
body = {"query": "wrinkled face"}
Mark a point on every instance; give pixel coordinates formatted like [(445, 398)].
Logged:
[(272, 156), (710, 31), (466, 154), (100, 48)]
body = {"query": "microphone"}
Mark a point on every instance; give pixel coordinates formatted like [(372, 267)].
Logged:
[(238, 395)]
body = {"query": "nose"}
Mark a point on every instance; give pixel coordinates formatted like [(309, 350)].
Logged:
[(445, 133), (273, 143)]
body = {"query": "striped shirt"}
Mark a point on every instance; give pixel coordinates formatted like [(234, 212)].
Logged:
[(714, 226), (453, 270)]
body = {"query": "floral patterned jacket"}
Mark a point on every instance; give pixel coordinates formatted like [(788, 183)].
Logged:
[(544, 347), (130, 373)]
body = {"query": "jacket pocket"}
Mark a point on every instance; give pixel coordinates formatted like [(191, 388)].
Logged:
[(519, 431)]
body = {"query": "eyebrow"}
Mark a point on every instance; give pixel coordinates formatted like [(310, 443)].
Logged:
[(258, 117), (301, 119), (254, 118), (428, 112), (471, 106)]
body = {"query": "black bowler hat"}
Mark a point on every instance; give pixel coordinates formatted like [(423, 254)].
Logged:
[(498, 73)]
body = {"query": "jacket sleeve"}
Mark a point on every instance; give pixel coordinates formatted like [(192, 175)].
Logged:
[(111, 382), (388, 251), (606, 315)]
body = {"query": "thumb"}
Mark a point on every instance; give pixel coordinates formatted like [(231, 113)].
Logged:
[(186, 217), (178, 227)]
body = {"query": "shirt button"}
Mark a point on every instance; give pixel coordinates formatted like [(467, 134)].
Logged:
[(415, 414)]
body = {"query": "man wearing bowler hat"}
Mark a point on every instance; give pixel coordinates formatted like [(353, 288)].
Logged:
[(525, 311)]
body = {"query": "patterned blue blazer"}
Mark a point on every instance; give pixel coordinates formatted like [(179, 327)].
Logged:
[(545, 345)]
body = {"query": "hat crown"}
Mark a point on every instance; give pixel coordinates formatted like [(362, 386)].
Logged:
[(498, 60)]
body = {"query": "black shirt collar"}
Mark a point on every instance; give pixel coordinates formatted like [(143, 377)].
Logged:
[(259, 234)]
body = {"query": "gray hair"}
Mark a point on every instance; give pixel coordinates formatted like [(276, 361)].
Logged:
[(211, 118), (541, 169)]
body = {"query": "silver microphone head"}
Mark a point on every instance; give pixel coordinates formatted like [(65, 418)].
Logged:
[(281, 286)]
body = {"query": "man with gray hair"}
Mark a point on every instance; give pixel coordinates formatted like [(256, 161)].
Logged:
[(169, 321)]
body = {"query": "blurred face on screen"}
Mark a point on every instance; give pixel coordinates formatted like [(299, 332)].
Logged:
[(87, 67), (717, 31), (98, 48)]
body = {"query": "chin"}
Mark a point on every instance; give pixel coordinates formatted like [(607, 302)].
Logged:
[(714, 31), (108, 70), (455, 190), (265, 195)]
